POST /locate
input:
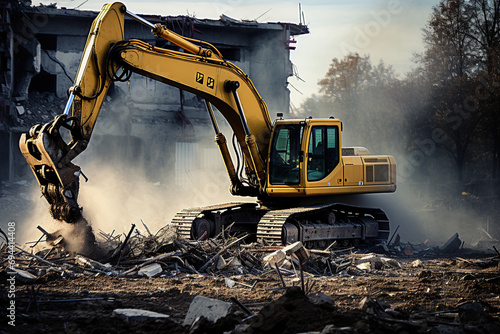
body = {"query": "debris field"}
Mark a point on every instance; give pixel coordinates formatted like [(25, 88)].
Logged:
[(156, 283)]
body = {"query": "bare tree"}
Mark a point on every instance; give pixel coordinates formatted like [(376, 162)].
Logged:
[(450, 64), (485, 33), (361, 94)]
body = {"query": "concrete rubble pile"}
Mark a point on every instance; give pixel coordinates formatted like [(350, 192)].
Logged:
[(140, 254)]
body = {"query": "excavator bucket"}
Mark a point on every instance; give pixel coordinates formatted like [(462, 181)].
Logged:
[(47, 155)]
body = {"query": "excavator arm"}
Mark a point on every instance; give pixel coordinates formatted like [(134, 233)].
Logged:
[(107, 58), (220, 83)]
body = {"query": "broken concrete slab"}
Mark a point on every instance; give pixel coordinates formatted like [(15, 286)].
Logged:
[(229, 282), (151, 270), (233, 263), (391, 262), (377, 262), (20, 110), (211, 309), (221, 263), (292, 248), (298, 249), (373, 262), (132, 315), (321, 299), (87, 262), (278, 257), (275, 258), (364, 266), (416, 264)]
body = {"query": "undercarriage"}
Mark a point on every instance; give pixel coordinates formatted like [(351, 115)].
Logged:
[(317, 226)]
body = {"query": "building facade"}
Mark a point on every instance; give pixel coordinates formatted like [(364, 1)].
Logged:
[(143, 119)]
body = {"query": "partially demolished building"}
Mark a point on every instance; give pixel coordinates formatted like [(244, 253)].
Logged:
[(40, 49)]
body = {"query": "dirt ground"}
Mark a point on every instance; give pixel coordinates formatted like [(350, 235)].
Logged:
[(453, 293), (437, 287)]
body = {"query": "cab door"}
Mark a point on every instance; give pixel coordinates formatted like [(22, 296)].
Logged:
[(323, 165), (285, 156)]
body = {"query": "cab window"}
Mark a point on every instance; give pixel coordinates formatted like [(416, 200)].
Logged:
[(284, 161), (323, 152)]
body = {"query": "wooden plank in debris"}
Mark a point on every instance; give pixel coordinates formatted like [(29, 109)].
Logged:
[(496, 250), (147, 229), (37, 257)]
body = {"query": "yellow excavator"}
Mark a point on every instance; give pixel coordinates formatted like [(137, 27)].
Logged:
[(295, 168)]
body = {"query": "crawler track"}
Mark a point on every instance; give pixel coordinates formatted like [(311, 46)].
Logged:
[(184, 219), (270, 228), (311, 224)]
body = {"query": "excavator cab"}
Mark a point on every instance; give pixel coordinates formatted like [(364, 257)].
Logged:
[(303, 153), (289, 147), (306, 159)]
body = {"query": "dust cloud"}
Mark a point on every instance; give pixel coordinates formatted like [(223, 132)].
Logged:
[(33, 212), (429, 203), (428, 206), (131, 180), (133, 175), (425, 219), (115, 197), (77, 237)]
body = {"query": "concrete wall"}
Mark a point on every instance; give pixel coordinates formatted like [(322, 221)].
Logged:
[(262, 55), (143, 122)]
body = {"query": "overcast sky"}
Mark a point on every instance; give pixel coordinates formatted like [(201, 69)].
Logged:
[(388, 30)]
